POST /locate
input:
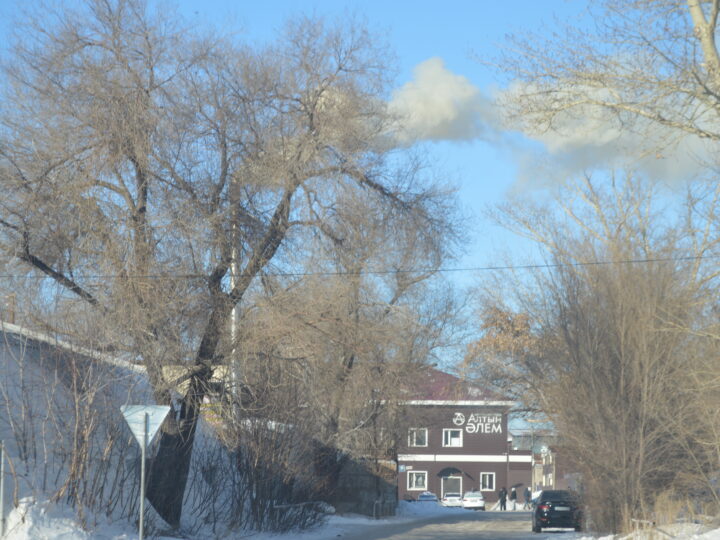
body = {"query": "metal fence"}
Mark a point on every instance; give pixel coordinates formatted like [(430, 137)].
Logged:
[(383, 508)]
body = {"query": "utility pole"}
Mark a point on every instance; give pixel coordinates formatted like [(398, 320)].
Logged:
[(234, 366), (507, 462), (532, 458)]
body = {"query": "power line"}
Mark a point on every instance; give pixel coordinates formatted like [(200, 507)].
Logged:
[(388, 272)]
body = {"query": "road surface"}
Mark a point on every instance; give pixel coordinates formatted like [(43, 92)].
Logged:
[(463, 526)]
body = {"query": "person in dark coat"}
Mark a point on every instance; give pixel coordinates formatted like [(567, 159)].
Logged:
[(513, 498), (528, 496), (503, 497)]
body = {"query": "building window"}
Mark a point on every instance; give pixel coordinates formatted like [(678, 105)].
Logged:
[(452, 437), (549, 480), (487, 481), (417, 437), (417, 480)]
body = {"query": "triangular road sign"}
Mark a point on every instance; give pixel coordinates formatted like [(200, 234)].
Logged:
[(135, 418)]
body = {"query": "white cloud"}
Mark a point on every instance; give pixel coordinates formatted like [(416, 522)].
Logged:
[(440, 105), (590, 137)]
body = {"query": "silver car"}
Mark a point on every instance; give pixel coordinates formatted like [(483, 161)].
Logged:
[(452, 499), (473, 500)]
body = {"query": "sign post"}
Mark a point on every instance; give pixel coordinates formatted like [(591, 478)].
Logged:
[(2, 488), (144, 421)]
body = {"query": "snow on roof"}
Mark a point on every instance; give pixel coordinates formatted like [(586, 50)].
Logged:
[(69, 347)]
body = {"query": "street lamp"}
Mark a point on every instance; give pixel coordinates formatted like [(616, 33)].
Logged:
[(507, 461)]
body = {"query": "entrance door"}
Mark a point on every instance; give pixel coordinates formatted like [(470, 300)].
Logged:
[(451, 484)]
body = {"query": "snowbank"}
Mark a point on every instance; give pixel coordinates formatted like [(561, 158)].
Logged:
[(43, 520), (33, 520)]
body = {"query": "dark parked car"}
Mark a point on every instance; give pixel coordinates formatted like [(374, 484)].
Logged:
[(557, 508), (427, 496)]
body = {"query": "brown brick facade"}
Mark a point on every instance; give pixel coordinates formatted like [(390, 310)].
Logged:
[(465, 443)]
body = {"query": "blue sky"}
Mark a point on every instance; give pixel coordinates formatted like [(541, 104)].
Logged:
[(458, 35), (463, 34)]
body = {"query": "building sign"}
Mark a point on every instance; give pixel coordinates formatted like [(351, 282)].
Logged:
[(478, 422)]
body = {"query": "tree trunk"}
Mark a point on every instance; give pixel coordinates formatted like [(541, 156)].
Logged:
[(169, 470)]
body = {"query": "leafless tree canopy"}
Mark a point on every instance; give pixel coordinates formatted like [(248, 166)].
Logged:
[(647, 69), (611, 341), (158, 177), (646, 73)]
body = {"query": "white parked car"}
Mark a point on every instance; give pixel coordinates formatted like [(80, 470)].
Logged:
[(473, 500), (452, 499)]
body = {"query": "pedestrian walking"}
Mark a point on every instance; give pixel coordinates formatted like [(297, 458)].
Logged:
[(503, 497), (513, 499), (528, 497)]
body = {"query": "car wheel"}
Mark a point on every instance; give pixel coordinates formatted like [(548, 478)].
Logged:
[(578, 528)]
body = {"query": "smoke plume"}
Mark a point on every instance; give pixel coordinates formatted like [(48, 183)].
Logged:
[(440, 105)]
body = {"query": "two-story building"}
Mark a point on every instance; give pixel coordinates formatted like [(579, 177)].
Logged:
[(538, 440), (458, 441)]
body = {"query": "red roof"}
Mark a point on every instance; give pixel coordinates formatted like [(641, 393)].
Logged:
[(440, 386)]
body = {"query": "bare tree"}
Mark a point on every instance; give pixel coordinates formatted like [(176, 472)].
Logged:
[(608, 342), (342, 349), (142, 161), (640, 74)]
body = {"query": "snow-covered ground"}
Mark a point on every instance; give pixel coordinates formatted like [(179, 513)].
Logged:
[(34, 400), (47, 521)]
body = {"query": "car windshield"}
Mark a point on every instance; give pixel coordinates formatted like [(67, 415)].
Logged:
[(473, 495), (448, 495), (557, 495)]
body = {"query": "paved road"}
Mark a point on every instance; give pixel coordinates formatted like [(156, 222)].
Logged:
[(464, 526)]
